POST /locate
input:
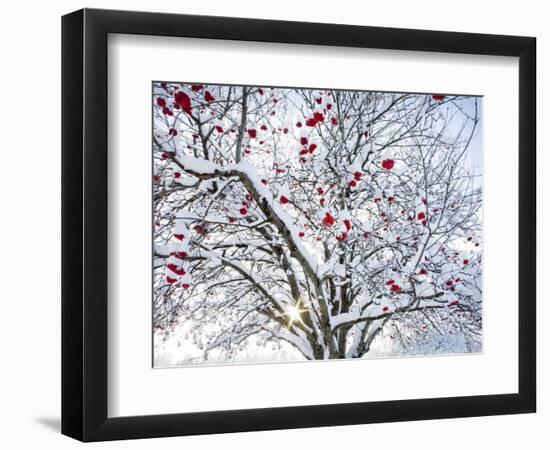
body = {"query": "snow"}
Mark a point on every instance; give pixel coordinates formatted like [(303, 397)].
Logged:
[(196, 165)]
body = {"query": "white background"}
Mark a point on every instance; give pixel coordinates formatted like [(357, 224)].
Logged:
[(136, 389), (30, 222)]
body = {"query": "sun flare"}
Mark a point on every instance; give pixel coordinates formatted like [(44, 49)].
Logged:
[(294, 314)]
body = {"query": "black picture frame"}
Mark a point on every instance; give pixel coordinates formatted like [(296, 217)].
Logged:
[(84, 224)]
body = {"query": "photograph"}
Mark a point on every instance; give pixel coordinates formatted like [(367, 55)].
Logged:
[(300, 224)]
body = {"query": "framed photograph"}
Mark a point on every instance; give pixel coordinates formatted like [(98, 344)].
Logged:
[(273, 224)]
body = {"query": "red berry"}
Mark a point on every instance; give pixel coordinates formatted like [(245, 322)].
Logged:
[(388, 164), (318, 117), (328, 220), (395, 288), (209, 97), (182, 101)]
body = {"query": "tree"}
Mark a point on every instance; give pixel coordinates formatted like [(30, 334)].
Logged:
[(314, 217)]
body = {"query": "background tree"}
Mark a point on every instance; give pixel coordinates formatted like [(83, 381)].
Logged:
[(315, 218)]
